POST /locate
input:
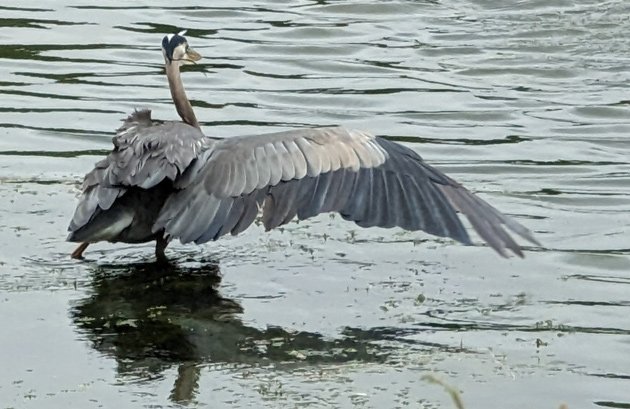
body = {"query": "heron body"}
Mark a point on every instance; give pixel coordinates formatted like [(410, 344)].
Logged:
[(124, 193), (166, 180)]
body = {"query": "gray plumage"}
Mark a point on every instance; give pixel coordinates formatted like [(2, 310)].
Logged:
[(368, 180), (124, 193), (166, 180)]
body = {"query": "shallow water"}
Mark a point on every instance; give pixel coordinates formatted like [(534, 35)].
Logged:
[(525, 102)]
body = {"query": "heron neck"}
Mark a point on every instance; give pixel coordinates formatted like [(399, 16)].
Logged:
[(182, 104)]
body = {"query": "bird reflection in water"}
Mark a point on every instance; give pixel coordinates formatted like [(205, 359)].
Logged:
[(150, 317)]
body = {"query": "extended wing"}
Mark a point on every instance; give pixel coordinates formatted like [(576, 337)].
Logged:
[(369, 180)]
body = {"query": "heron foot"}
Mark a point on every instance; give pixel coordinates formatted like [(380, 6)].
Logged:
[(160, 246), (78, 252)]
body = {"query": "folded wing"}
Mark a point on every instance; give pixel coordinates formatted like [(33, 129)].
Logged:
[(145, 153)]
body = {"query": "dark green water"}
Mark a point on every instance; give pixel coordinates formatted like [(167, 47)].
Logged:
[(525, 102)]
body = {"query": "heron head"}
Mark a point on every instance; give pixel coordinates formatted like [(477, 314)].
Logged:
[(175, 48)]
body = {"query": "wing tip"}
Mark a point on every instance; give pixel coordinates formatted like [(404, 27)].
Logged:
[(489, 222)]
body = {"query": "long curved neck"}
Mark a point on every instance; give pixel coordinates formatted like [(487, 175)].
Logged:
[(184, 109)]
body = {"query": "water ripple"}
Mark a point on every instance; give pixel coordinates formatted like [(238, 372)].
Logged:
[(524, 102)]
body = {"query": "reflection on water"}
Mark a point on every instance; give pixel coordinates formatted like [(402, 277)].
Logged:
[(524, 102), (150, 317)]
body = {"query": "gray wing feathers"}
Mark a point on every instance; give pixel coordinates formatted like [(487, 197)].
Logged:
[(240, 165), (368, 180), (486, 220), (145, 153), (93, 198)]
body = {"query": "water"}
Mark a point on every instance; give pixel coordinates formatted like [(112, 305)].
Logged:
[(525, 102)]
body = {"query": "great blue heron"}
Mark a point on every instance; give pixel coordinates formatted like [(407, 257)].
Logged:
[(166, 180)]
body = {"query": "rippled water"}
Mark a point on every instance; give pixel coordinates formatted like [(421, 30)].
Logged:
[(525, 102)]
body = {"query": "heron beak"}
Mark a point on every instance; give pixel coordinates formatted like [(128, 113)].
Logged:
[(192, 55)]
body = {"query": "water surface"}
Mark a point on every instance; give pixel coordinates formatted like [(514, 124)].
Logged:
[(524, 102)]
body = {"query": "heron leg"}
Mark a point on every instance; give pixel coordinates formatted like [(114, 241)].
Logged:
[(160, 245), (78, 252)]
